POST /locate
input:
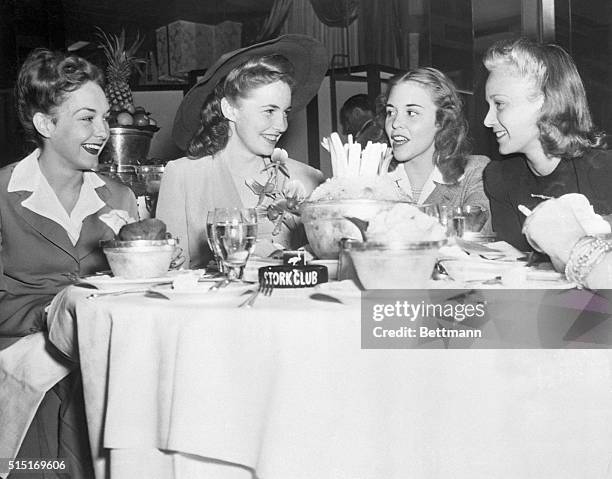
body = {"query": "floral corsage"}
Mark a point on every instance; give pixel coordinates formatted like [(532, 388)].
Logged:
[(286, 199)]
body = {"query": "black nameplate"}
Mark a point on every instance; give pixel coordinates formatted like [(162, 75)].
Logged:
[(286, 276)]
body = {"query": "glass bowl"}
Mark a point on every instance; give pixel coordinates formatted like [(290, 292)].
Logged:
[(139, 259), (402, 265), (326, 222)]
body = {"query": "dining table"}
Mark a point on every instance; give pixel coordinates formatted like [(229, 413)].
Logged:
[(189, 385)]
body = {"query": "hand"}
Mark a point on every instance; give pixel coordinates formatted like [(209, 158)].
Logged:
[(555, 226)]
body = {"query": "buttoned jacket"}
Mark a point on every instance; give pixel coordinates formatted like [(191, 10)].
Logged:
[(37, 258)]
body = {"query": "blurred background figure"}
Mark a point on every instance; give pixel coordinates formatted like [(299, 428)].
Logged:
[(357, 117)]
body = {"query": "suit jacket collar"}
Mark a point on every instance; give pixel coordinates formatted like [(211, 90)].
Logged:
[(93, 229)]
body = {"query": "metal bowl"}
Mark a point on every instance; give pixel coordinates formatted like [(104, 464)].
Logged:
[(139, 258), (126, 146), (398, 265)]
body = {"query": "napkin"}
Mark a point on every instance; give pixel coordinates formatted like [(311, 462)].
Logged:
[(463, 249)]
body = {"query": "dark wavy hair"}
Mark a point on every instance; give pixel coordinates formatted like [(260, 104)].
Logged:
[(565, 124), (213, 133), (451, 140), (44, 81)]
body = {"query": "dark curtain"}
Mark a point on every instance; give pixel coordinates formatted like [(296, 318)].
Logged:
[(274, 21), (336, 13), (386, 35)]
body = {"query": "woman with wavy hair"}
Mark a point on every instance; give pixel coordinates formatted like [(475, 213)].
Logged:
[(229, 125), (51, 208), (538, 109), (427, 129)]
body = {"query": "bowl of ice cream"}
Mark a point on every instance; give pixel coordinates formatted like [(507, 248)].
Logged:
[(400, 251), (326, 214), (327, 222)]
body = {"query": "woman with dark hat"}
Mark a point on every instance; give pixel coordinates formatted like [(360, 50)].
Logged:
[(229, 125)]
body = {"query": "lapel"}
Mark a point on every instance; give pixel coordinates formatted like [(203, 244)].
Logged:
[(50, 230), (93, 230), (223, 190), (442, 193)]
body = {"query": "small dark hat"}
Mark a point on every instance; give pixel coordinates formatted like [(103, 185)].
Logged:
[(310, 63)]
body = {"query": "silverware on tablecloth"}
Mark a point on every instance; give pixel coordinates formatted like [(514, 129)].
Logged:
[(220, 284), (264, 288), (138, 290), (494, 280)]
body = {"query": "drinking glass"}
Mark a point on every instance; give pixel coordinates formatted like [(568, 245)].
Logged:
[(235, 233), (213, 244), (443, 213), (468, 219)]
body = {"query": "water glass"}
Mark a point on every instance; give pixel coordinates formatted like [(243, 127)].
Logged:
[(213, 244), (235, 231), (468, 219)]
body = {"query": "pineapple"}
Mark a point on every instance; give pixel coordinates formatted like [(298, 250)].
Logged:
[(120, 64)]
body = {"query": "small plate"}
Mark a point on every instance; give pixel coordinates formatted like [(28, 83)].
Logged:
[(111, 283)]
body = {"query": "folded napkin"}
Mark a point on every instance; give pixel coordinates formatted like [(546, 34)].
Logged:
[(463, 249), (592, 223)]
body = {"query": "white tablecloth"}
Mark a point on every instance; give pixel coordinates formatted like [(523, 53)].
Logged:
[(284, 391)]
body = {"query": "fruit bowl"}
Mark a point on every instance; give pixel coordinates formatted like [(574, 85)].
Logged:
[(127, 145), (139, 259), (326, 222)]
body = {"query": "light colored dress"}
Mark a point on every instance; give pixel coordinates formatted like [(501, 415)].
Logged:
[(192, 187)]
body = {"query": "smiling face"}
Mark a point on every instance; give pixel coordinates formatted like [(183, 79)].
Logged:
[(77, 129), (514, 109), (410, 122), (259, 120)]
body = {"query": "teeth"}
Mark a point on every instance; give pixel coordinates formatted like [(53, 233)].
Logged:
[(91, 146), (399, 139), (499, 134)]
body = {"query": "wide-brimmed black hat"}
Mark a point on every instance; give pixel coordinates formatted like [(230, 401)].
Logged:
[(309, 59)]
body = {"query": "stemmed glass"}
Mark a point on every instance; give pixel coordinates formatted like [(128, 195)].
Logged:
[(213, 244), (235, 234)]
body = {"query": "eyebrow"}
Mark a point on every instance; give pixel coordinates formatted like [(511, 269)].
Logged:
[(87, 109), (272, 105), (407, 105)]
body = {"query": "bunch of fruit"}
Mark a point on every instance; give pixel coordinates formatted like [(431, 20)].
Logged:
[(131, 116), (121, 63)]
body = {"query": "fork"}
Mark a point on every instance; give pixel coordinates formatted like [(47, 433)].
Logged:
[(264, 288)]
